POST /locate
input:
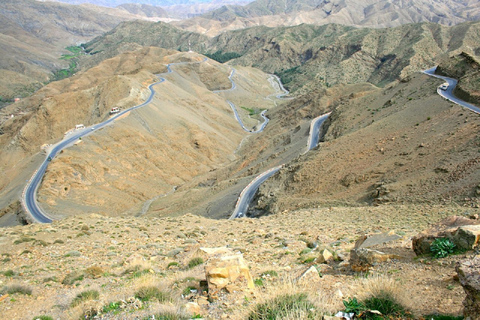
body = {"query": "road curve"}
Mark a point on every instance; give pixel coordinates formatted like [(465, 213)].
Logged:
[(247, 194), (234, 108), (448, 93), (29, 199), (314, 136), (249, 191)]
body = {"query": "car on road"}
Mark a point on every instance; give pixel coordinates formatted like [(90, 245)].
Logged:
[(444, 86)]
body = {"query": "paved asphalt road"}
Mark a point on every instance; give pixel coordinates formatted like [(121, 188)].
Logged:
[(448, 94), (29, 199)]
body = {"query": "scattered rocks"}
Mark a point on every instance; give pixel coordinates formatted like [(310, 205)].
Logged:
[(469, 276)]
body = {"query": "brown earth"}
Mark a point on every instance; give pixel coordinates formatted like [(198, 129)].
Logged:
[(400, 144), (116, 256)]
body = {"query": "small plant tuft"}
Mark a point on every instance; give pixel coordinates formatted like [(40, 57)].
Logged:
[(42, 318), (16, 288), (286, 307), (85, 296), (442, 247), (148, 293), (195, 262)]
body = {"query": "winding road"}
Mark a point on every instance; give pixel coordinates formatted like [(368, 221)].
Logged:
[(448, 93), (247, 194), (29, 196)]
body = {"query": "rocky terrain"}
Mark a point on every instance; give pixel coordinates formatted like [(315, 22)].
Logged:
[(309, 56), (88, 264), (34, 35), (275, 13), (466, 69), (403, 144)]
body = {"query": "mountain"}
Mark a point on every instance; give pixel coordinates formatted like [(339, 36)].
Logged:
[(144, 10), (308, 55), (34, 35), (369, 13)]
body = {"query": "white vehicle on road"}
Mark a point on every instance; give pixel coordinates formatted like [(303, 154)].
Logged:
[(444, 86), (114, 110)]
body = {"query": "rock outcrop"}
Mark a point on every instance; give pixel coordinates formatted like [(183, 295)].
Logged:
[(469, 276), (226, 270), (463, 232)]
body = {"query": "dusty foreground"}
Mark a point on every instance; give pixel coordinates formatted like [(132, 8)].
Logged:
[(116, 257)]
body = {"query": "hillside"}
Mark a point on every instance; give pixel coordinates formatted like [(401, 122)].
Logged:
[(307, 55), (465, 68), (34, 35), (402, 144), (50, 265), (384, 13), (187, 131)]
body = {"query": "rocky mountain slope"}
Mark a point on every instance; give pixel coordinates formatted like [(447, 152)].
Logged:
[(188, 130), (400, 144), (385, 13), (34, 35), (311, 56), (465, 68)]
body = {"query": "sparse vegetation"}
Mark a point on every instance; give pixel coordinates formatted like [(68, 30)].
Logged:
[(195, 262), (42, 318), (111, 307), (290, 306), (85, 296), (9, 273), (167, 316), (16, 288), (442, 247), (73, 277), (148, 293), (223, 57)]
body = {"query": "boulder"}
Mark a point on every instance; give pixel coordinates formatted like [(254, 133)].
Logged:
[(225, 268), (469, 276), (363, 259), (467, 237), (310, 275), (444, 229)]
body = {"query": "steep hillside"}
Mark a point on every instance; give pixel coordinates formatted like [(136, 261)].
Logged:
[(34, 35), (187, 131), (400, 144), (371, 13), (311, 56), (465, 68)]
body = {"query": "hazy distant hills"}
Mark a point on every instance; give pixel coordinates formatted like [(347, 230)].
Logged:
[(114, 3), (371, 13), (144, 9)]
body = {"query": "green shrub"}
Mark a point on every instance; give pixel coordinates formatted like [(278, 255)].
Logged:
[(148, 293), (111, 307), (258, 282), (195, 262), (9, 273), (353, 305), (85, 296), (286, 306), (442, 247), (386, 304)]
